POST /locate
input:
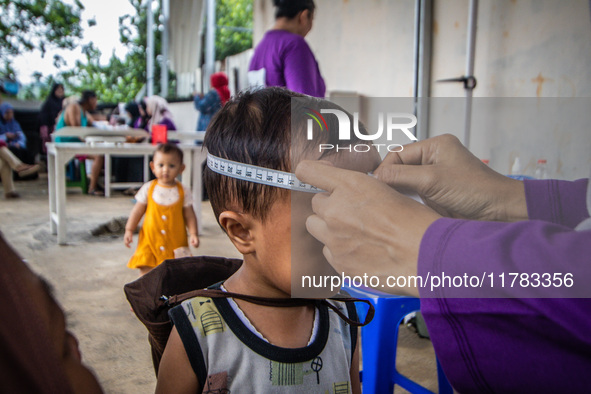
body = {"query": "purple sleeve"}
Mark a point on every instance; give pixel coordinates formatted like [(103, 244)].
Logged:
[(559, 202), (513, 344), (169, 124), (301, 71)]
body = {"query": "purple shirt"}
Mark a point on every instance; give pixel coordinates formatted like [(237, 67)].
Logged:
[(514, 344), (289, 62)]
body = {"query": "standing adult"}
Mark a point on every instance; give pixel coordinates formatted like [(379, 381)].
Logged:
[(77, 114), (209, 104), (283, 57), (50, 110)]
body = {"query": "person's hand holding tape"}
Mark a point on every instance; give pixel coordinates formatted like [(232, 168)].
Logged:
[(453, 181), (366, 226)]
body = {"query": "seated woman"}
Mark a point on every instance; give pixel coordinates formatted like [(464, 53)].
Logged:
[(77, 113), (50, 110), (157, 110), (9, 162), (12, 134)]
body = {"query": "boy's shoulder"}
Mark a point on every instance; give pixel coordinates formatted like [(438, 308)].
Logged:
[(215, 340), (202, 314)]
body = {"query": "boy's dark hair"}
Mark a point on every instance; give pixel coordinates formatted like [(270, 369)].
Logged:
[(87, 95), (290, 8), (256, 127), (169, 148)]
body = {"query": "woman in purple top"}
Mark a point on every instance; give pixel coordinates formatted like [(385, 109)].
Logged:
[(475, 222), (283, 58)]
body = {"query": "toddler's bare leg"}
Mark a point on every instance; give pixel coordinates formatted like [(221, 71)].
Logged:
[(144, 270)]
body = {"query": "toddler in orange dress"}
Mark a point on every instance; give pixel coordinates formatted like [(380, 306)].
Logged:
[(168, 209)]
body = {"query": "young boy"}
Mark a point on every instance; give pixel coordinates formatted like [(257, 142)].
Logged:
[(229, 345), (168, 207)]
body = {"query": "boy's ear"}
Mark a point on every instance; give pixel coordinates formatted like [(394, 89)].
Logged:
[(239, 228), (152, 167), (182, 168)]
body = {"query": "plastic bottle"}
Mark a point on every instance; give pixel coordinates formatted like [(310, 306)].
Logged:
[(541, 170)]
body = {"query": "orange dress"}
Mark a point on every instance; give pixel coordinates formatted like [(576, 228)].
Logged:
[(163, 231)]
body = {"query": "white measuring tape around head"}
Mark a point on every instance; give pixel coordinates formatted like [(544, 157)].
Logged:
[(256, 174)]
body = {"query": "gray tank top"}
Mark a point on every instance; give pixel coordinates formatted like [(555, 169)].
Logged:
[(229, 358)]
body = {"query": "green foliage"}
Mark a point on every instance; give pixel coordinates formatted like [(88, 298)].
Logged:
[(233, 14), (113, 82), (27, 25), (121, 80)]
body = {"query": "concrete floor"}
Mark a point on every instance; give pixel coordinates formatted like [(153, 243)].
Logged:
[(89, 273)]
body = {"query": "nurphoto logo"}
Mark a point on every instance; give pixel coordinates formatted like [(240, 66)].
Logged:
[(394, 121)]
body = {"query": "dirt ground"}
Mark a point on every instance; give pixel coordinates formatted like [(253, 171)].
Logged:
[(89, 272)]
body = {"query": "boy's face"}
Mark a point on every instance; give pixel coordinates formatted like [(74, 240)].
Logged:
[(166, 167), (273, 246), (284, 247)]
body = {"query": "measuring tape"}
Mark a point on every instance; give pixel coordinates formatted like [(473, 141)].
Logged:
[(256, 174)]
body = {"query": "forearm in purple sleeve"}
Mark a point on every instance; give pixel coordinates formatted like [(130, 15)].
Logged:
[(508, 344), (559, 202), (513, 344)]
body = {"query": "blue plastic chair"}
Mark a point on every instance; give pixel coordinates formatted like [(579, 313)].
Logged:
[(379, 341)]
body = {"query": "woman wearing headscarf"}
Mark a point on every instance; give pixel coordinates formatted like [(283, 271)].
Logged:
[(50, 109), (283, 57), (209, 104), (157, 110), (12, 133)]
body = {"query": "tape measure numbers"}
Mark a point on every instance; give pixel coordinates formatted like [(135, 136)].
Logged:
[(256, 174)]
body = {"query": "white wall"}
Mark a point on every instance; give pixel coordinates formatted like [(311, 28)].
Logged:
[(363, 46), (184, 115), (524, 48), (534, 50)]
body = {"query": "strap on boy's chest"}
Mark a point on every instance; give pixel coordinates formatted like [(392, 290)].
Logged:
[(275, 302)]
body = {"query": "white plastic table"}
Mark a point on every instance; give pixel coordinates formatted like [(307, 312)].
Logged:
[(59, 154)]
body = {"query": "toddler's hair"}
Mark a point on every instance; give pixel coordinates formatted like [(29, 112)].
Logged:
[(256, 127), (169, 148)]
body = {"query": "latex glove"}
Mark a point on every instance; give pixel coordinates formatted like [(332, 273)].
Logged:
[(453, 181), (366, 226)]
